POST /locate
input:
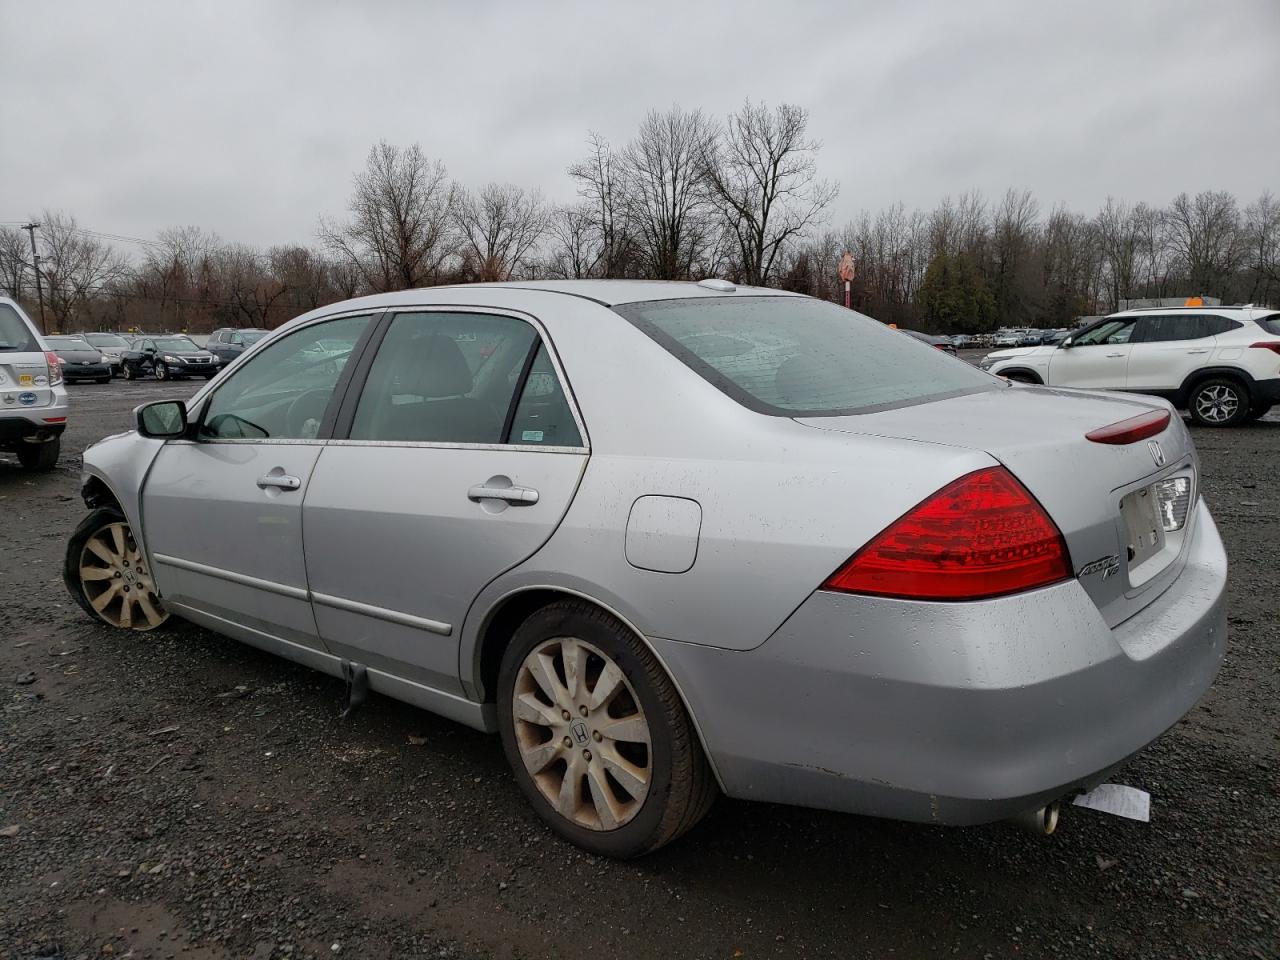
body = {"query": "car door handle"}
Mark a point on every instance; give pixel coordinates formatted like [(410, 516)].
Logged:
[(1197, 351), (1115, 354), (518, 496), (281, 481)]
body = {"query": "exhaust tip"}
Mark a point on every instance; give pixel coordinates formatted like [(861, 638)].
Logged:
[(1042, 821)]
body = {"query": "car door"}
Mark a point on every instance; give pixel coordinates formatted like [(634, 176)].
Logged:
[(1097, 358), (222, 512), (454, 459), (1167, 348)]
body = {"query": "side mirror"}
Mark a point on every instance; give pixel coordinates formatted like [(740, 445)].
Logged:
[(1065, 344), (162, 420)]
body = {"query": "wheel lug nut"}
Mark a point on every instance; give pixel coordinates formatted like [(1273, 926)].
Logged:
[(565, 714), (582, 710), (595, 734), (568, 743), (586, 755)]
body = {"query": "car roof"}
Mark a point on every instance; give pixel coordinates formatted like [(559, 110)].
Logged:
[(609, 293), (1235, 312)]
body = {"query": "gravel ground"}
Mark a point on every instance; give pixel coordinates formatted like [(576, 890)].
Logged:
[(180, 795)]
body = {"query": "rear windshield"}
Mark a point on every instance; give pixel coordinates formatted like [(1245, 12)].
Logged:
[(1271, 324), (794, 356), (15, 335)]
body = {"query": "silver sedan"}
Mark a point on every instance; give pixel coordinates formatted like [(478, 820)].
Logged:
[(674, 540)]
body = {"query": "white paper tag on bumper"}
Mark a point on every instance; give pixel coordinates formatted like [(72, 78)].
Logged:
[(1117, 799)]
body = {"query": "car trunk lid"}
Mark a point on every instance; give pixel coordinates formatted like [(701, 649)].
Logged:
[(1101, 495)]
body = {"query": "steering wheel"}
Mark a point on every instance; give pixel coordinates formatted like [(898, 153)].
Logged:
[(302, 419)]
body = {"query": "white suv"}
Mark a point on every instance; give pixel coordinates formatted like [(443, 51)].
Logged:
[(33, 401), (1222, 364)]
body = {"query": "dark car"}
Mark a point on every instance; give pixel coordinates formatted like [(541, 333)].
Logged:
[(112, 346), (80, 359), (168, 358), (228, 343), (942, 343)]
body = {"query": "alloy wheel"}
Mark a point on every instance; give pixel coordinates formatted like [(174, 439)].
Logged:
[(582, 734), (1217, 404), (116, 581)]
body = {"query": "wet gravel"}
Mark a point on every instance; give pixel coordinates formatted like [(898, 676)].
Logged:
[(179, 795)]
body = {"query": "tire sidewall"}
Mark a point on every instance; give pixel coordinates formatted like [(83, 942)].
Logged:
[(1242, 395), (561, 620), (162, 372)]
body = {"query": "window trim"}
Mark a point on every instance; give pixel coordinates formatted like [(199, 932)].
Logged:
[(339, 388), (340, 435)]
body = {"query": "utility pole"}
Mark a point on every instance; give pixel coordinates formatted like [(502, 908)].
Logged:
[(31, 229)]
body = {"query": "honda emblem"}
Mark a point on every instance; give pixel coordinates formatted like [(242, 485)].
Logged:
[(1156, 453)]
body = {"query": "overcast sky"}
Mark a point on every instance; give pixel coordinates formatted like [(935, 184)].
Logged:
[(249, 118)]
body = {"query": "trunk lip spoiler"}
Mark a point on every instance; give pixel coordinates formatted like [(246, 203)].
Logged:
[(1131, 430)]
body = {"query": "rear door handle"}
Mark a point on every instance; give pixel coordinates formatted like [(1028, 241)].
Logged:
[(1115, 354), (281, 481), (518, 496)]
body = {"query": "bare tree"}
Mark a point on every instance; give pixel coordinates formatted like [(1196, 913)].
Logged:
[(1262, 236), (667, 196), (1013, 235), (499, 227), (576, 250), (1119, 239), (399, 234), (1204, 236), (599, 178), (14, 257), (76, 267), (762, 173)]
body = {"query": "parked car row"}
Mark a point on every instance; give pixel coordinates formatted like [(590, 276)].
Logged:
[(101, 357)]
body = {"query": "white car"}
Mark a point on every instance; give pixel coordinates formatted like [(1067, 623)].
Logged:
[(33, 400), (1222, 364)]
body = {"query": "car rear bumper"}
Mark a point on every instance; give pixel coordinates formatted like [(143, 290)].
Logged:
[(955, 713)]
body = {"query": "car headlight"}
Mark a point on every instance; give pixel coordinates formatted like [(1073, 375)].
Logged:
[(168, 359)]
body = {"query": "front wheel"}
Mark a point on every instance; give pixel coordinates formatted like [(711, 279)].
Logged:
[(106, 572), (39, 457), (162, 372), (1219, 402), (597, 736), (130, 373)]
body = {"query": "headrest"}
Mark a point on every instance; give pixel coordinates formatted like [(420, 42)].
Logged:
[(433, 367)]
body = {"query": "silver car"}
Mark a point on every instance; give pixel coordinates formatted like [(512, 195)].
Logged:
[(33, 398), (673, 540)]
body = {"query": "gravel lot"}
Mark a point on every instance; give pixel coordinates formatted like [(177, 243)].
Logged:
[(181, 795)]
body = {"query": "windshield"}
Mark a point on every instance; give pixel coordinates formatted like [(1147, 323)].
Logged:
[(176, 345), (795, 356), (15, 335), (67, 343), (106, 340)]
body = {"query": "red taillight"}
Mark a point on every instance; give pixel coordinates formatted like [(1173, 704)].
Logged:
[(982, 536), (54, 363), (1132, 430), (1272, 345)]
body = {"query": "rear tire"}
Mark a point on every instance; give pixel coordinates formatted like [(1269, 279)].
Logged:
[(1219, 402), (609, 757), (39, 457)]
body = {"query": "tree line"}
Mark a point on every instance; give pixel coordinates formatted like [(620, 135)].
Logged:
[(688, 196)]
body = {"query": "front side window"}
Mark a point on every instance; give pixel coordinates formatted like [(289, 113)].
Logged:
[(1107, 332), (795, 356), (444, 378), (284, 391)]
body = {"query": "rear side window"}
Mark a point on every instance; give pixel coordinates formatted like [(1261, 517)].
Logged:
[(794, 356), (542, 415), (15, 335), (1181, 326), (1271, 324), (444, 378)]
